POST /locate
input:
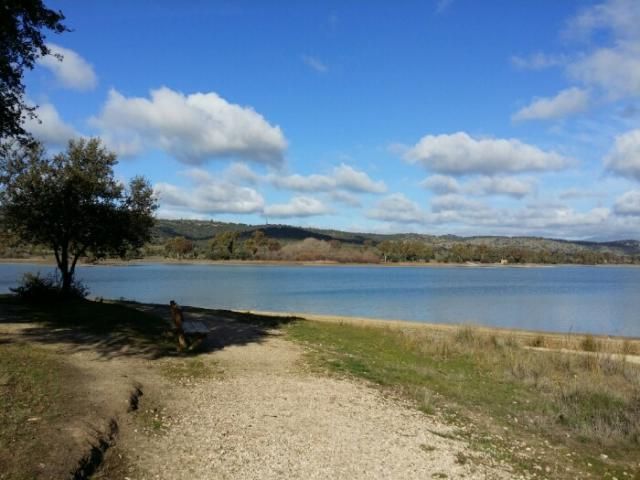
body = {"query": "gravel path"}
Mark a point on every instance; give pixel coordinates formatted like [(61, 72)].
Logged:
[(266, 418)]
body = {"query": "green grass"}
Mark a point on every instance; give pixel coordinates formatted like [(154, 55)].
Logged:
[(38, 392), (568, 409)]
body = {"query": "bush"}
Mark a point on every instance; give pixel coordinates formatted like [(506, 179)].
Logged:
[(34, 288)]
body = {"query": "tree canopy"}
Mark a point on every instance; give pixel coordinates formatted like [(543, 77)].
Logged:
[(72, 203), (21, 44)]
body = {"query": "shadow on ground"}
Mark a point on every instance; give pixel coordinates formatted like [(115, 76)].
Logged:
[(114, 329)]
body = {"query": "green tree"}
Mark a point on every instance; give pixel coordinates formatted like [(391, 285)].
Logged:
[(73, 204), (223, 245), (256, 243), (21, 44)]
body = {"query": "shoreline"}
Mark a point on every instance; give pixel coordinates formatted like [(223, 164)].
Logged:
[(393, 323), (319, 263)]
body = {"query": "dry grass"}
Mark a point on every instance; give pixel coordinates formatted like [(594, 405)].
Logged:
[(586, 401)]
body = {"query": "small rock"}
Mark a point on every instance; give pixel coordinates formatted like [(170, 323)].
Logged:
[(603, 456)]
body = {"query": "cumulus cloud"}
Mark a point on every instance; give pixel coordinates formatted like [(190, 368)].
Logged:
[(461, 154), (455, 202), (509, 186), (342, 177), (301, 183), (345, 198), (441, 184), (49, 128), (314, 64), (241, 173), (615, 68), (193, 128), (208, 196), (628, 204), (567, 102), (580, 193), (397, 208), (297, 207), (72, 71), (485, 185), (624, 157)]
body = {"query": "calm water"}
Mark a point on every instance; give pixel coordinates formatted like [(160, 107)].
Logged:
[(585, 299)]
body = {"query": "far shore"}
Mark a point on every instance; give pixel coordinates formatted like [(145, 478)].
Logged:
[(50, 261)]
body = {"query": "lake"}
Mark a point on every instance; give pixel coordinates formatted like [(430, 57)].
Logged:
[(599, 300)]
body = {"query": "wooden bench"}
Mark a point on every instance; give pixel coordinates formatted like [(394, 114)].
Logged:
[(191, 327), (190, 333)]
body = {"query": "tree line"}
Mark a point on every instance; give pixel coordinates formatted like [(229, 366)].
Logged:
[(229, 245)]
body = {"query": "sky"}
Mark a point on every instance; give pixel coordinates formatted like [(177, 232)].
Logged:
[(434, 116)]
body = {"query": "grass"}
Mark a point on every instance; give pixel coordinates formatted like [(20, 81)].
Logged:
[(42, 394), (559, 412), (38, 392), (109, 328)]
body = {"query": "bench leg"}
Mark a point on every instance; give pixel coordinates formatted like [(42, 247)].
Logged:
[(182, 342), (197, 341)]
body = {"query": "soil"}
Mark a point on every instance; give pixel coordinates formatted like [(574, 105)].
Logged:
[(262, 414), (257, 413)]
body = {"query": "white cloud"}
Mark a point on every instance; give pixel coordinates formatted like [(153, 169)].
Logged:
[(628, 204), (208, 196), (397, 208), (348, 178), (620, 16), (567, 102), (616, 68), (345, 198), (315, 64), (193, 128), (454, 202), (241, 173), (537, 61), (624, 157), (580, 193), (297, 207), (342, 177), (72, 71), (461, 154), (49, 128), (441, 184), (301, 183), (509, 186)]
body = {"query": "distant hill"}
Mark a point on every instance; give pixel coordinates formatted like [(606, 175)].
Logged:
[(201, 231)]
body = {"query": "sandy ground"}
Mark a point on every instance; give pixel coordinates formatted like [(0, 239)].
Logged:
[(266, 417)]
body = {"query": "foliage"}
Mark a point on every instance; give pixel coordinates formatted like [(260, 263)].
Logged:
[(73, 204), (21, 43), (223, 246), (178, 247), (37, 289)]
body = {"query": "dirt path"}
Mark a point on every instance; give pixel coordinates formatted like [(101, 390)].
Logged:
[(265, 417)]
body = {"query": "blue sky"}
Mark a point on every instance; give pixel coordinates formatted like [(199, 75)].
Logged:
[(463, 117)]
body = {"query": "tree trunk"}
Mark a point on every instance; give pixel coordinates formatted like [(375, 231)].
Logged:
[(67, 275)]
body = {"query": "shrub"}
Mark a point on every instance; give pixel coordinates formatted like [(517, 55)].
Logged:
[(589, 344), (34, 288)]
